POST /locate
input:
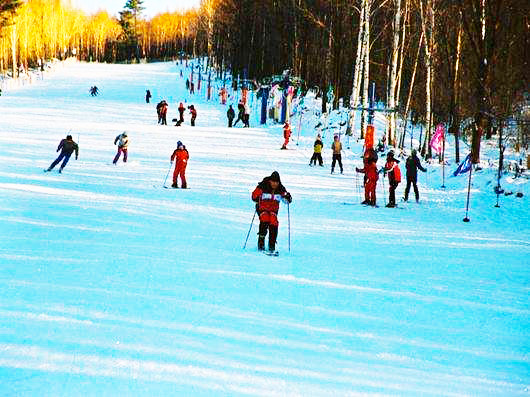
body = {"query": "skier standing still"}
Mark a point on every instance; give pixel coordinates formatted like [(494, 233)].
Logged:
[(267, 196), (394, 177), (286, 134), (67, 147), (413, 164), (230, 114), (181, 156)]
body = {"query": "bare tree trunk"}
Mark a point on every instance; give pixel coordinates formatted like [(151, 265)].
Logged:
[(427, 25), (455, 94), (366, 63), (393, 74), (356, 89), (14, 50), (413, 78)]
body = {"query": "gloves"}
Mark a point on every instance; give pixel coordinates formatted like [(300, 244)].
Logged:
[(266, 196), (357, 169), (288, 197)]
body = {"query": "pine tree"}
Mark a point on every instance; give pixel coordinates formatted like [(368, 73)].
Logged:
[(129, 22)]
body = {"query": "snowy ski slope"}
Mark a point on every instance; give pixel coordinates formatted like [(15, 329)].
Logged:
[(111, 285)]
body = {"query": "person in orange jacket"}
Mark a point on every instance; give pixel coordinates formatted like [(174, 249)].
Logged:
[(286, 134), (181, 156), (267, 196), (370, 182), (394, 177)]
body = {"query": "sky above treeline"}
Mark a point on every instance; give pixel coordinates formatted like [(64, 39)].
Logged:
[(152, 7)]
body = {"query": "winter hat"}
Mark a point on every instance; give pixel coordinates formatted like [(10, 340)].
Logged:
[(390, 154), (179, 143), (69, 137), (275, 177), (124, 133), (414, 152)]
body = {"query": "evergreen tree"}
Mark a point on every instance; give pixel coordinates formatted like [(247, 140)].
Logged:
[(129, 22)]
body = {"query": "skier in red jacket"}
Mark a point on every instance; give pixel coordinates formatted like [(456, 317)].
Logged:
[(370, 182), (181, 156), (394, 177), (267, 196), (286, 134)]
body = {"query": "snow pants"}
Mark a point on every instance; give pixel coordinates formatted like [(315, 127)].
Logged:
[(392, 191), (316, 156), (268, 222), (63, 156), (369, 192), (336, 158), (180, 171), (117, 157), (230, 122), (407, 189)]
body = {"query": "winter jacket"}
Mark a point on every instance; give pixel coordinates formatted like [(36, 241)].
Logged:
[(68, 147), (123, 141), (412, 164), (337, 147), (181, 156), (318, 145), (267, 199), (370, 169), (394, 173), (287, 132), (230, 113)]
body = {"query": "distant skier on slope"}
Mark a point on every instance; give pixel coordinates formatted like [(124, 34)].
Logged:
[(394, 177), (94, 91), (147, 96), (286, 134), (161, 111), (193, 113), (230, 114), (317, 152), (123, 143), (67, 147), (181, 157), (267, 196), (336, 146), (240, 113), (412, 165)]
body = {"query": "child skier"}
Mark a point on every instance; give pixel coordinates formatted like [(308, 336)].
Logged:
[(267, 196), (286, 134), (181, 156), (181, 110), (370, 180), (317, 152), (394, 177), (123, 143), (67, 147), (336, 146)]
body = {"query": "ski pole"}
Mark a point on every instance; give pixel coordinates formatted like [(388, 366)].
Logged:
[(384, 190), (250, 228), (165, 179), (289, 226)]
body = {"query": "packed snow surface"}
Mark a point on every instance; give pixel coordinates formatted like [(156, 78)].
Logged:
[(112, 285)]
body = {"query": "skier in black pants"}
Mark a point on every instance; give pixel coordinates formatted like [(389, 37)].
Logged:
[(230, 114), (412, 164), (67, 147), (147, 96), (240, 114)]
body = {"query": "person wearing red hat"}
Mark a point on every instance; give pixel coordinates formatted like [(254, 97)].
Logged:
[(267, 196)]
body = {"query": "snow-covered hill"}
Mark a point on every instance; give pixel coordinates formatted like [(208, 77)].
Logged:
[(111, 284)]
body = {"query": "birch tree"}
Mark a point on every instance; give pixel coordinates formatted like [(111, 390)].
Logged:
[(393, 86)]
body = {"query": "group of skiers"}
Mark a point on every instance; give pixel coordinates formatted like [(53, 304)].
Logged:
[(243, 114), (391, 168), (162, 109)]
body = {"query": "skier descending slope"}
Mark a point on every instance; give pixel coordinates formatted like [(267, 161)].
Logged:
[(267, 196), (67, 147)]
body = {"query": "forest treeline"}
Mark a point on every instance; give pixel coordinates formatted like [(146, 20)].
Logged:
[(429, 60)]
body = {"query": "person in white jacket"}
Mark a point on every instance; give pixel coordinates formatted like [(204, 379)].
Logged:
[(123, 143)]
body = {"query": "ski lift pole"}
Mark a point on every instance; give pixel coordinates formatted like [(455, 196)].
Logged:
[(466, 219), (289, 226), (299, 126)]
